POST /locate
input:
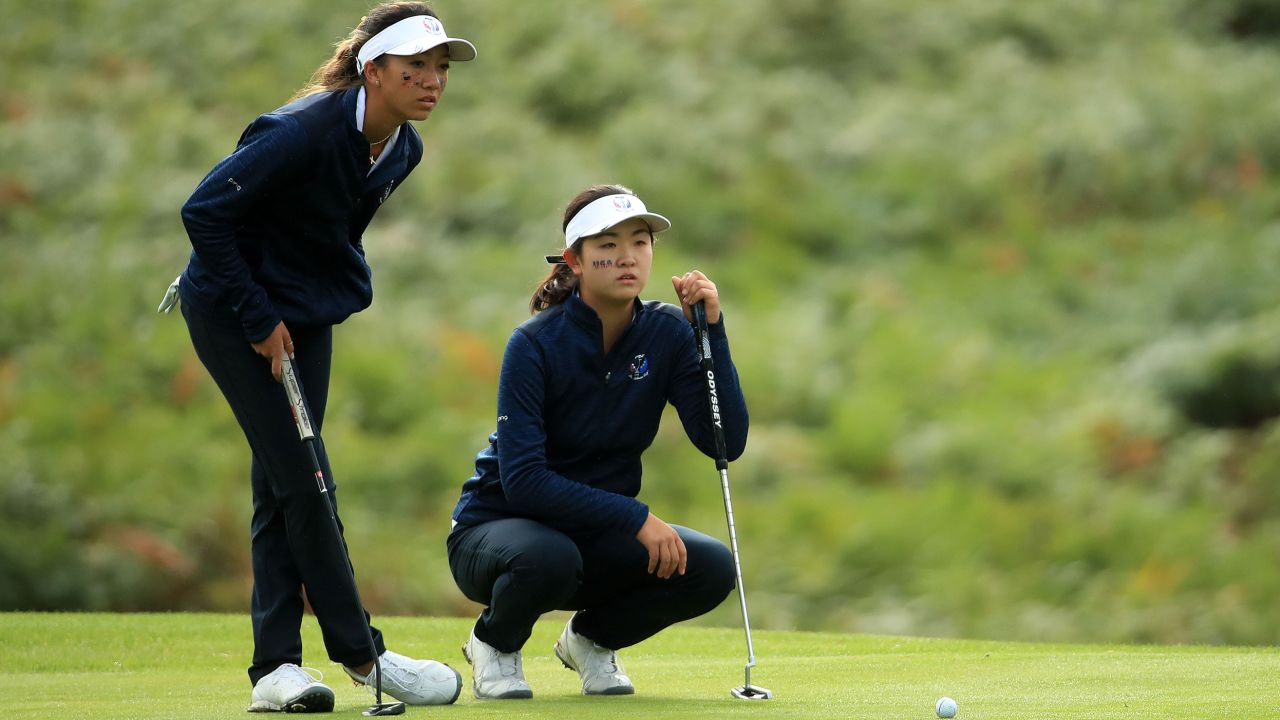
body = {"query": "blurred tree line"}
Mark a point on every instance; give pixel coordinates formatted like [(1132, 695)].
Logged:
[(999, 278)]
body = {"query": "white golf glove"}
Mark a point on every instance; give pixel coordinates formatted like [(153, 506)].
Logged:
[(171, 297)]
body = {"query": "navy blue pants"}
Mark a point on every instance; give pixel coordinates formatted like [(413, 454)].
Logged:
[(521, 568), (292, 541)]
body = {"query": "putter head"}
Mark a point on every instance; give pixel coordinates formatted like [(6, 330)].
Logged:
[(391, 708), (752, 692)]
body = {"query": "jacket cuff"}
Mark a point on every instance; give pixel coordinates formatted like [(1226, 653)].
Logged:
[(716, 329), (638, 518), (258, 318)]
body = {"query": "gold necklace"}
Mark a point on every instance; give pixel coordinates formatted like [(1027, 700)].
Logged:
[(372, 159)]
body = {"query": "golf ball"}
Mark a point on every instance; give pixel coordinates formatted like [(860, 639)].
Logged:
[(946, 707)]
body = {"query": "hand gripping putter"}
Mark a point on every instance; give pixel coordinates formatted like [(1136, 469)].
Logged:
[(747, 691), (302, 418)]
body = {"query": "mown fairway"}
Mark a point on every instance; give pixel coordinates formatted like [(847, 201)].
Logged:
[(191, 666)]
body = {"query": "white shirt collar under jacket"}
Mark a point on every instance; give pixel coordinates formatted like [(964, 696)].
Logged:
[(395, 135)]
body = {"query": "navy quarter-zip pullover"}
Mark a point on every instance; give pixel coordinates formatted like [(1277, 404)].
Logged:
[(573, 422), (276, 226)]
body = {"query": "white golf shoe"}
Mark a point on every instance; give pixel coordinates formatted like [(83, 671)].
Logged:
[(496, 675), (413, 682), (598, 666), (290, 688)]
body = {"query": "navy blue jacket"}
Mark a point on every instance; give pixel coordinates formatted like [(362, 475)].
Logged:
[(573, 422), (275, 227)]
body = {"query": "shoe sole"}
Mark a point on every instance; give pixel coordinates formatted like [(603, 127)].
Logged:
[(619, 690), (560, 655), (315, 700), (509, 695), (457, 691)]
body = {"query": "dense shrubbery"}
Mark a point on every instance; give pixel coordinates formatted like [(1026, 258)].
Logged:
[(999, 276)]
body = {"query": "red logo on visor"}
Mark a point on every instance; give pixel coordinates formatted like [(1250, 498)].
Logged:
[(432, 25), (621, 203)]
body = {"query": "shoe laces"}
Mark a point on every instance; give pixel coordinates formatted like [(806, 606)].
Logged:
[(508, 664), (403, 675), (391, 673), (303, 673), (607, 659), (371, 687), (612, 660)]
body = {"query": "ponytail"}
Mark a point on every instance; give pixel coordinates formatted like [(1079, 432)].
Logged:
[(341, 71), (556, 287)]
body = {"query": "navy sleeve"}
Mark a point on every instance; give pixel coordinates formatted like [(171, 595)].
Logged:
[(688, 393), (272, 150), (527, 483)]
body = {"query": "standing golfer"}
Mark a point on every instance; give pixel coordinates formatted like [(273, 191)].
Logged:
[(276, 229), (550, 519)]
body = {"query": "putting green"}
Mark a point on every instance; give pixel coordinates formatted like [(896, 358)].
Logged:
[(137, 666)]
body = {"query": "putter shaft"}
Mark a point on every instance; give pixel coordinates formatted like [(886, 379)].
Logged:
[(747, 691), (302, 418)]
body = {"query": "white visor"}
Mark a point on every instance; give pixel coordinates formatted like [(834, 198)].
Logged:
[(603, 213), (411, 36)]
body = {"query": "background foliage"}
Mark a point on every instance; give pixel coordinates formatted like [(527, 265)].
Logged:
[(999, 278)]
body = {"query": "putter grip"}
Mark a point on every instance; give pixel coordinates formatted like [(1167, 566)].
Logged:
[(699, 310), (297, 404), (703, 339)]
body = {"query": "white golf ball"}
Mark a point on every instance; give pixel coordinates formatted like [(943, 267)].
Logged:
[(946, 707)]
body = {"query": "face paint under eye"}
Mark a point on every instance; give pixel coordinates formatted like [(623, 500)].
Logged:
[(602, 263), (407, 79)]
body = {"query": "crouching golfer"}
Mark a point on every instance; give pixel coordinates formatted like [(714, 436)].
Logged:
[(550, 519), (276, 230)]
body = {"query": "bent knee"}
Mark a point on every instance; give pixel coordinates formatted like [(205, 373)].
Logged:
[(725, 576), (551, 564), (713, 563)]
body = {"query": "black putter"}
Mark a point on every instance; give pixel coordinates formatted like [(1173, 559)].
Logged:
[(747, 691), (302, 418)]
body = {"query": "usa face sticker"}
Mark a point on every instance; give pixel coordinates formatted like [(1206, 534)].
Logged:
[(639, 367)]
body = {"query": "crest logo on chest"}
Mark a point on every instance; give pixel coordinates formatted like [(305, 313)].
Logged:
[(638, 368)]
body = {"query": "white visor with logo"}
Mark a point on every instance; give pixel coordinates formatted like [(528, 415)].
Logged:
[(411, 36), (603, 213)]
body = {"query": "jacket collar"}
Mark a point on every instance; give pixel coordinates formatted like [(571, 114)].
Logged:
[(394, 166), (349, 106), (583, 315)]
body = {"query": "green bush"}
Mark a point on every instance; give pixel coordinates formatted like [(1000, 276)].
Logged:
[(1229, 379)]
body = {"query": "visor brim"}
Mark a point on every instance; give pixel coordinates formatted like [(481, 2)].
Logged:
[(459, 49), (657, 224)]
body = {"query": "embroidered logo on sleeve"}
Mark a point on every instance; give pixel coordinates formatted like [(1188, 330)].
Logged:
[(386, 192), (639, 367)]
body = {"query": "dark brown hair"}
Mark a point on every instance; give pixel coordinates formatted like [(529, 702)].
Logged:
[(560, 282), (340, 71)]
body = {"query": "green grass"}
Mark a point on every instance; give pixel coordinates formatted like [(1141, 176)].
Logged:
[(130, 667)]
